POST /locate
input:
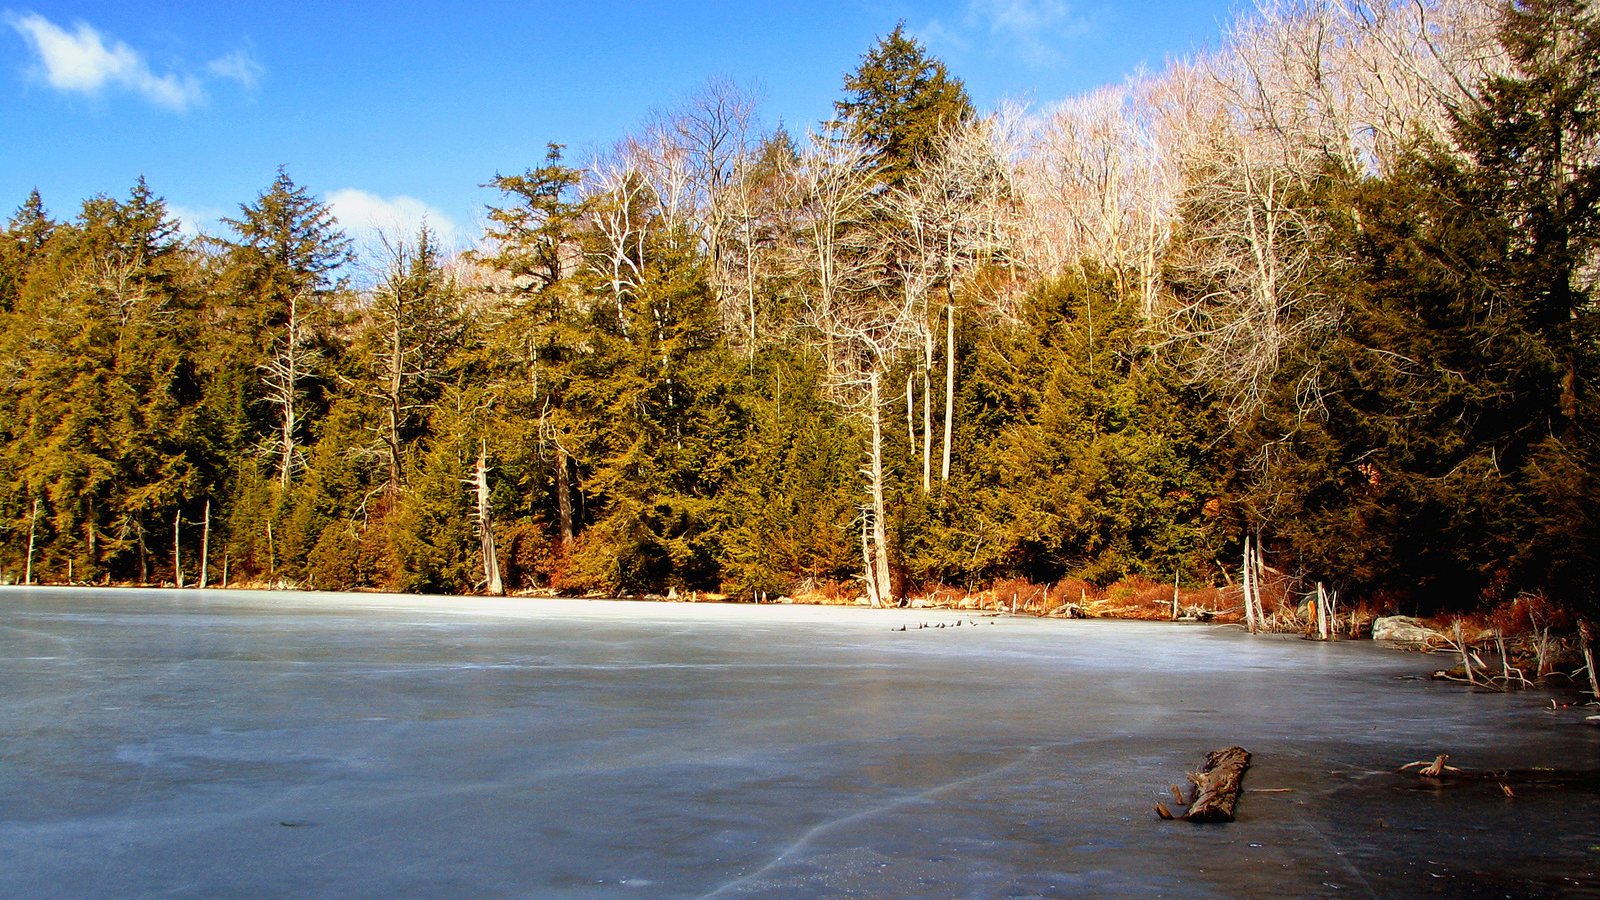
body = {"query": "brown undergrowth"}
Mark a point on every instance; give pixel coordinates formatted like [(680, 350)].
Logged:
[(1129, 598)]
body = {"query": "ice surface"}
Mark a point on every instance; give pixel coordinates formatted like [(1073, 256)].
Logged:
[(253, 745)]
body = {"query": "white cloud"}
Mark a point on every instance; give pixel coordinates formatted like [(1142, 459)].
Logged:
[(1038, 31), (365, 216), (86, 62), (939, 35), (240, 65), (195, 220)]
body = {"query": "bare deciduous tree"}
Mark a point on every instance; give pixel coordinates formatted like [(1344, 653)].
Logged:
[(282, 373)]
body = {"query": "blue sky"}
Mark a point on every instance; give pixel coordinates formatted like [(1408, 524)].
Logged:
[(390, 110)]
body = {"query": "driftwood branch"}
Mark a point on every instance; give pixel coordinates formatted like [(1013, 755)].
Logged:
[(1216, 788), (1435, 769)]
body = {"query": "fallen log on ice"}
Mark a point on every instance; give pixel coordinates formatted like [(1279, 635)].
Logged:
[(1216, 787)]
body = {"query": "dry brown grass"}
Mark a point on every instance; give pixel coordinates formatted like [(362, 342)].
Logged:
[(1130, 598), (827, 593)]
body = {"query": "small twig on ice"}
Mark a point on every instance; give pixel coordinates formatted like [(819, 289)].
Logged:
[(1433, 769)]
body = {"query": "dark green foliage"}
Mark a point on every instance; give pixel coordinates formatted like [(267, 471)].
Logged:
[(900, 102), (529, 232), (1447, 458), (105, 419), (793, 504), (1082, 452), (288, 243)]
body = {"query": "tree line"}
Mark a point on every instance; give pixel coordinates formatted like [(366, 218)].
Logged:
[(1328, 289)]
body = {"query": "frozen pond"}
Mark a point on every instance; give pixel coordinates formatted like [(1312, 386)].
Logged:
[(250, 745)]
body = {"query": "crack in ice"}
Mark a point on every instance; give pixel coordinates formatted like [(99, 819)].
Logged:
[(784, 855)]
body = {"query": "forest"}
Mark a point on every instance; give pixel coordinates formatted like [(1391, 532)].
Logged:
[(1328, 289)]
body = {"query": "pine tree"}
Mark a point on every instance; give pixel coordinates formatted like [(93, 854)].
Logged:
[(25, 235), (1532, 138), (900, 102), (541, 332), (1533, 176), (415, 323), (108, 422), (1452, 455), (284, 269), (531, 234)]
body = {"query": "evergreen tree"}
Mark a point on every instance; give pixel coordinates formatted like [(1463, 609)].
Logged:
[(108, 425), (288, 242), (531, 234), (899, 102), (1534, 175), (284, 273), (1452, 454), (1514, 231), (658, 429), (414, 324), (25, 235), (531, 349), (792, 506), (1083, 454)]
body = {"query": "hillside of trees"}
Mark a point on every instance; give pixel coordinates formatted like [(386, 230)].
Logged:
[(1329, 288)]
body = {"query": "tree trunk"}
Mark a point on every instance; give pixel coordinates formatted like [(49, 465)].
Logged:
[(491, 562), (33, 528), (880, 538), (1258, 560), (177, 553), (868, 576), (144, 552), (205, 545), (927, 414), (911, 414), (563, 498), (290, 378), (396, 374), (1217, 787), (949, 385), (1249, 588), (1588, 657)]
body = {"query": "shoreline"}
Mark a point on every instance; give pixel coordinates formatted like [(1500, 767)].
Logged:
[(1481, 657)]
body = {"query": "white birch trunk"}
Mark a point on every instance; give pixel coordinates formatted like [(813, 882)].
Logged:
[(491, 562), (1249, 588), (868, 577), (949, 385), (911, 413), (177, 553), (33, 528), (927, 414), (205, 544), (880, 537), (291, 359), (1260, 560)]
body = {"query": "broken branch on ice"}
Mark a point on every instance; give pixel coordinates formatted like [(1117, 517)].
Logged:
[(1216, 788)]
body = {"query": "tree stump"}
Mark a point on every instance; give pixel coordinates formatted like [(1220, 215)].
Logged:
[(1217, 787)]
